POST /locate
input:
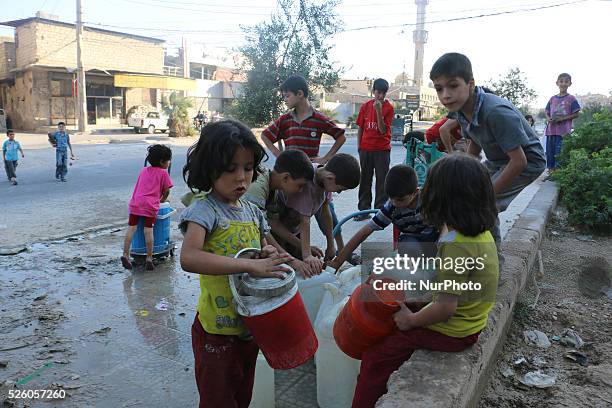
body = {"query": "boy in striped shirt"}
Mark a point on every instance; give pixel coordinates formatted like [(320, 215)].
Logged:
[(301, 128)]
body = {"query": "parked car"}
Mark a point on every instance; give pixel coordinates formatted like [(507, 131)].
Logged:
[(152, 122)]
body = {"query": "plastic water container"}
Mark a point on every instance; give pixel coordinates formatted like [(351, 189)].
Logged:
[(349, 279), (366, 318), (312, 291), (336, 372), (274, 313), (263, 389), (161, 232)]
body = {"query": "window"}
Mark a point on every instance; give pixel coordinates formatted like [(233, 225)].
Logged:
[(61, 87), (102, 90)]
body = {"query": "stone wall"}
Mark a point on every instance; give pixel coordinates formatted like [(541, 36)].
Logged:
[(51, 44), (18, 101), (7, 58)]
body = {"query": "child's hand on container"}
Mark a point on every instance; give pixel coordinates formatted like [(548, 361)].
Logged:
[(316, 252), (270, 267), (315, 264), (403, 317), (301, 268), (268, 251)]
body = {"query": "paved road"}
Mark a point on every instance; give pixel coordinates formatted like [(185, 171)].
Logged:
[(101, 182), (99, 186)]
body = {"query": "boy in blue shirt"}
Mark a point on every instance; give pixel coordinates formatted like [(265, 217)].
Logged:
[(10, 150), (402, 209), (61, 142), (514, 155)]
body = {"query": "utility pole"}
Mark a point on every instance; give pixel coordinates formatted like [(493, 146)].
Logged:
[(420, 38), (82, 97), (185, 58)]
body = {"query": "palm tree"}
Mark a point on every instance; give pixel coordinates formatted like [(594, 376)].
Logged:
[(177, 108)]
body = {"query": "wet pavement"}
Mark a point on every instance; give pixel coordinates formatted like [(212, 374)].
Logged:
[(71, 318)]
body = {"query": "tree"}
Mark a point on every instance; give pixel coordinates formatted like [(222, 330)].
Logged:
[(294, 41), (513, 86), (177, 109)]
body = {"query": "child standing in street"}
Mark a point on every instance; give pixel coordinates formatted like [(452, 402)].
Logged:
[(561, 110), (451, 319), (302, 128), (61, 142), (374, 145), (10, 150), (152, 188), (216, 226)]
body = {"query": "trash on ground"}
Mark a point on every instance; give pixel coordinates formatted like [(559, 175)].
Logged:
[(536, 338), (538, 379), (570, 338), (103, 330), (507, 371), (182, 314), (35, 374), (4, 363), (538, 361), (585, 238), (162, 305), (578, 357), (520, 360), (41, 297)]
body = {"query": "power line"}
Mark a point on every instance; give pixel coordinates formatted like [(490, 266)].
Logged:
[(448, 20), (468, 17)]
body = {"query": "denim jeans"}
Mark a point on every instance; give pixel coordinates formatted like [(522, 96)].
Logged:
[(10, 166), (61, 163)]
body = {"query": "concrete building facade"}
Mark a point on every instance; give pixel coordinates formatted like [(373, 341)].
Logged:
[(38, 73)]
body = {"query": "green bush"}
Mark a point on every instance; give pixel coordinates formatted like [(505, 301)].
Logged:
[(592, 135), (586, 189)]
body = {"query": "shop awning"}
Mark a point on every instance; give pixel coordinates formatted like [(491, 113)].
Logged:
[(155, 82)]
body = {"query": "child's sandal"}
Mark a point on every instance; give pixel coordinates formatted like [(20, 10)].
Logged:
[(149, 265)]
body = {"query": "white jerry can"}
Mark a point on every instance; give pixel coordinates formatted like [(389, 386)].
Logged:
[(336, 372), (312, 291)]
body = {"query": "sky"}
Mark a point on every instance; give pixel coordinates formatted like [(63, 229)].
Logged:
[(572, 37)]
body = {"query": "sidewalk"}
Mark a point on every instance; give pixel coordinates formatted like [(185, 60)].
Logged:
[(103, 136)]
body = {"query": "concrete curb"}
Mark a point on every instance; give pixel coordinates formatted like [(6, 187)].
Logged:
[(456, 380)]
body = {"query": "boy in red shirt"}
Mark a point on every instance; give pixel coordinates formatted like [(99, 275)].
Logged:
[(374, 141)]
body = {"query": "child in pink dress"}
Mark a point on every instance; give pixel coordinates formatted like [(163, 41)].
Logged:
[(152, 188)]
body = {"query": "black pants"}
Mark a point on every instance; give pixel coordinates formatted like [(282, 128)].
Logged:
[(373, 162)]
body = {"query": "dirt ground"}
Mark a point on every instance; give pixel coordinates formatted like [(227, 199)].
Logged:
[(575, 269)]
